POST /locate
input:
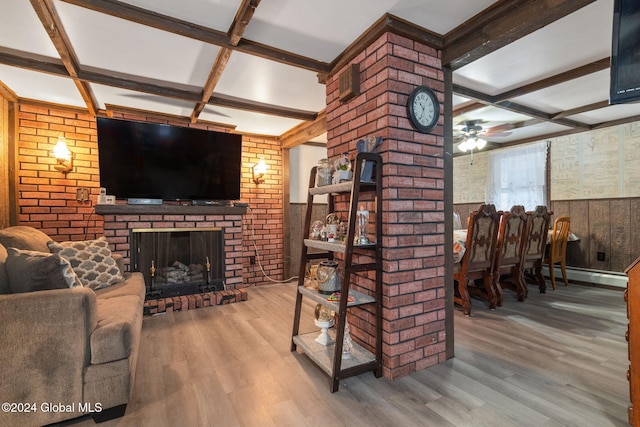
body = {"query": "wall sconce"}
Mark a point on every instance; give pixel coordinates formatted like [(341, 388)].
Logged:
[(64, 157), (259, 170)]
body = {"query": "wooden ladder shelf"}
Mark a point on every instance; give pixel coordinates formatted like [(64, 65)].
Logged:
[(329, 357)]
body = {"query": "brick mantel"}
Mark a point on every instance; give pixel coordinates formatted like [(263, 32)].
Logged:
[(166, 209)]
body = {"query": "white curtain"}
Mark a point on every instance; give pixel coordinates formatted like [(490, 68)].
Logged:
[(517, 176)]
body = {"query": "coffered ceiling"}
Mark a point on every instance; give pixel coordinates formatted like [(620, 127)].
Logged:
[(524, 69)]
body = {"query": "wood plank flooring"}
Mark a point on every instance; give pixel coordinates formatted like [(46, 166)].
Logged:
[(558, 359)]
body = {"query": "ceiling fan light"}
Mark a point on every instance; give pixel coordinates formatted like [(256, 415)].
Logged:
[(463, 146), (480, 143)]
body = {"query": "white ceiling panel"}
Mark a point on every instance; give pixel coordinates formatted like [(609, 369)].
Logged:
[(21, 29), (215, 14), (251, 77), (143, 101), (578, 39), (110, 43), (316, 29), (585, 90), (436, 15), (41, 87), (612, 112), (247, 121)]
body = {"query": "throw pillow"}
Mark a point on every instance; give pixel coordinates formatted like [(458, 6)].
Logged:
[(91, 260), (30, 271)]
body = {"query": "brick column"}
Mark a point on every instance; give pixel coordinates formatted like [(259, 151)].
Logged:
[(413, 198)]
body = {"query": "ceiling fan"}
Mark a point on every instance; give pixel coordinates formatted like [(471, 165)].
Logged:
[(471, 136)]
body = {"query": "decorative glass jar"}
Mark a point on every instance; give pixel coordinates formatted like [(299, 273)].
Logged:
[(323, 173)]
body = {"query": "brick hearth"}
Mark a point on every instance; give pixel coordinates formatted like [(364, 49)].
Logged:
[(190, 302)]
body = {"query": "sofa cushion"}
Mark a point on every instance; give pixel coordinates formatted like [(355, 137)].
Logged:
[(24, 237), (30, 271), (91, 260)]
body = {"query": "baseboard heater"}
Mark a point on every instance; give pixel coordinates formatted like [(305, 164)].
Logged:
[(596, 277)]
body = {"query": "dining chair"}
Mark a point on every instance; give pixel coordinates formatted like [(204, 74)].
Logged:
[(477, 261), (507, 271), (557, 251), (534, 247)]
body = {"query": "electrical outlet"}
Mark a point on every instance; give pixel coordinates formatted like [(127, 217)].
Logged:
[(82, 194), (252, 260), (601, 256)]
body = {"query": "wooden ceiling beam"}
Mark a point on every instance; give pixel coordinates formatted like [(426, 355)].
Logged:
[(261, 107), (501, 24), (240, 22), (52, 24), (566, 76), (582, 109), (516, 108), (305, 131), (32, 61)]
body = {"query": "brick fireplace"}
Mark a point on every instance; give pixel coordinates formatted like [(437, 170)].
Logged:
[(120, 221)]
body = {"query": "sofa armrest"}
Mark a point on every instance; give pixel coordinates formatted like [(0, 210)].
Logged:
[(45, 346)]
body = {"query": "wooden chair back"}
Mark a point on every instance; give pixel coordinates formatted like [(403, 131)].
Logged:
[(510, 244), (558, 249), (511, 237), (535, 244), (559, 237), (537, 234), (482, 237), (478, 259)]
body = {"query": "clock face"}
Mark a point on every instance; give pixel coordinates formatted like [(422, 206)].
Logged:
[(423, 108)]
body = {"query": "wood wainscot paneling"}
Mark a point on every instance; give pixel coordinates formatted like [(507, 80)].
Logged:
[(297, 232), (599, 234), (620, 243)]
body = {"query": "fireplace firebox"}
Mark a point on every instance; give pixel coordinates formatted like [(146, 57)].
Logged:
[(179, 261)]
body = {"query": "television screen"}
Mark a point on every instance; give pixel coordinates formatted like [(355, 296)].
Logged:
[(625, 52), (155, 161)]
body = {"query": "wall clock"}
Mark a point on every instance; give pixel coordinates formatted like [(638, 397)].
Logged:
[(423, 108)]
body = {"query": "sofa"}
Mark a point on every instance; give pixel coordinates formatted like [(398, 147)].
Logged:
[(69, 348)]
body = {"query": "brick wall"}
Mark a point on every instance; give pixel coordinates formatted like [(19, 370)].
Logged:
[(47, 198), (413, 199)]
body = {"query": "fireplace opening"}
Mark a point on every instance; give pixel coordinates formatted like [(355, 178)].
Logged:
[(180, 261)]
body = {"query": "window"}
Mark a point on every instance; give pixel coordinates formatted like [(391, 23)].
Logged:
[(518, 176)]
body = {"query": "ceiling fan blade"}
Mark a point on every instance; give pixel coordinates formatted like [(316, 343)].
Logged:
[(496, 134), (501, 128)]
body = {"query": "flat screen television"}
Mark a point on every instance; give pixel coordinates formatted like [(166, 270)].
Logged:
[(154, 161), (625, 52)]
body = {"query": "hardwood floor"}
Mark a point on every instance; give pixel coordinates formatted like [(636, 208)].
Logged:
[(558, 359)]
